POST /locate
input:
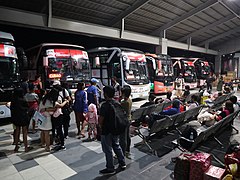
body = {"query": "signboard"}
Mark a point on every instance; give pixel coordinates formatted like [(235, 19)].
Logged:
[(8, 51), (67, 53), (132, 56)]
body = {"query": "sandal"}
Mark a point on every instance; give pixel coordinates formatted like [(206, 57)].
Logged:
[(29, 148), (82, 135), (16, 149)]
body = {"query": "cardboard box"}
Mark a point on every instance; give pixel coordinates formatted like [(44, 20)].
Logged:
[(214, 173)]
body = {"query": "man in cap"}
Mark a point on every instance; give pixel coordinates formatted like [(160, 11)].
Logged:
[(63, 95), (92, 92)]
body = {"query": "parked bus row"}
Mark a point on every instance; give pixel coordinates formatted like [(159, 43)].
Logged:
[(72, 63)]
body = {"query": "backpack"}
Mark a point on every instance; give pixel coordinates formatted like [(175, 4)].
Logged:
[(190, 134), (67, 109), (120, 121)]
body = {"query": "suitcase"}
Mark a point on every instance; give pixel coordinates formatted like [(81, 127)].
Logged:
[(199, 163), (182, 166), (214, 173)]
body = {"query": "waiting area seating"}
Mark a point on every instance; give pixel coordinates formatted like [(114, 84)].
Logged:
[(168, 123), (204, 132)]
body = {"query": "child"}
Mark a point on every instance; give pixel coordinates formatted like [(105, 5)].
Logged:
[(33, 100), (92, 119)]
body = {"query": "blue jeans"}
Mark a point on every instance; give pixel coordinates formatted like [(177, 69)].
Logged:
[(111, 142)]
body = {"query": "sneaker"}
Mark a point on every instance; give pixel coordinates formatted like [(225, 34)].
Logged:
[(122, 166), (128, 155), (66, 137), (107, 171), (63, 148)]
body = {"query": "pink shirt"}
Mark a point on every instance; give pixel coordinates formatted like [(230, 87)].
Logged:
[(92, 117)]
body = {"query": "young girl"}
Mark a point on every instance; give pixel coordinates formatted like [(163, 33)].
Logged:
[(33, 100), (92, 119)]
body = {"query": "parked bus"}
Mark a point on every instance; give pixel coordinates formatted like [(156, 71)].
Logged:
[(128, 65), (9, 73), (160, 70), (186, 68), (65, 62), (203, 69)]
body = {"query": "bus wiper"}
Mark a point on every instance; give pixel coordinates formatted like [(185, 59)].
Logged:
[(1, 90)]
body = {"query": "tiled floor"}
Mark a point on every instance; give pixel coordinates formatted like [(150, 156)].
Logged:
[(83, 160)]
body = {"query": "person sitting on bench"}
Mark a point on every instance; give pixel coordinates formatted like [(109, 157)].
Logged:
[(151, 101), (193, 103), (173, 110), (225, 112)]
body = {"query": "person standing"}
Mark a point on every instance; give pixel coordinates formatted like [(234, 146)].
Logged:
[(80, 108), (220, 84), (179, 84), (37, 84), (126, 103), (19, 112), (117, 88), (33, 101), (46, 107), (92, 119), (109, 141), (25, 85), (66, 94), (209, 82), (92, 93), (57, 118)]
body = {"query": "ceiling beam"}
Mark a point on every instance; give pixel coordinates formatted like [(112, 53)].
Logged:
[(185, 16), (206, 28), (227, 33), (231, 7), (136, 5), (38, 21)]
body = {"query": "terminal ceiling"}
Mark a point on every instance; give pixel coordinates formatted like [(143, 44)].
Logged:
[(202, 22)]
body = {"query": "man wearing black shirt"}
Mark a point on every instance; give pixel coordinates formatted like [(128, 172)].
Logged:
[(108, 140)]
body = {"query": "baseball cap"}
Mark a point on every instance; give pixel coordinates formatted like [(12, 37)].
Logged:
[(94, 80), (56, 82)]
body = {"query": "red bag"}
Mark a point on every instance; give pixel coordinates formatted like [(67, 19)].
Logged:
[(232, 159), (198, 165), (214, 173)]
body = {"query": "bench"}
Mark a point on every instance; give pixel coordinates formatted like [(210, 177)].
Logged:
[(168, 123), (138, 114), (204, 132), (217, 103)]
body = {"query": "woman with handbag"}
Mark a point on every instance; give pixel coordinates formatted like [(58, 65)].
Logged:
[(46, 108)]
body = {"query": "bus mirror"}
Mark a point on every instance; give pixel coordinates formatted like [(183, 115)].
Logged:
[(127, 64), (22, 57), (97, 61), (45, 61)]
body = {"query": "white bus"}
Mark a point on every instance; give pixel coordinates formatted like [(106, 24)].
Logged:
[(128, 65), (65, 62), (9, 73)]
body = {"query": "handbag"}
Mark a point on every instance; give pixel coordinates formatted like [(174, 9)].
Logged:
[(40, 119)]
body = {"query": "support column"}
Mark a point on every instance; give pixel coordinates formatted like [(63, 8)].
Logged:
[(162, 48), (237, 64), (49, 23), (218, 63)]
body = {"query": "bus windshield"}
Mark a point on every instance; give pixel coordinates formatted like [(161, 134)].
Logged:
[(137, 73), (164, 68), (135, 68), (8, 68), (68, 65)]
